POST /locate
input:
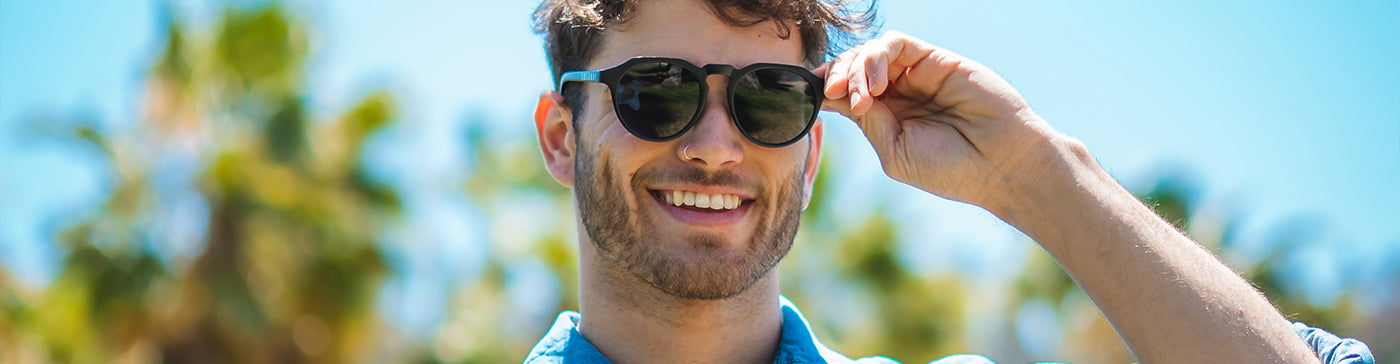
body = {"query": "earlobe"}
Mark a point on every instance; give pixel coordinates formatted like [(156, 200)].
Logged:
[(813, 162), (554, 128)]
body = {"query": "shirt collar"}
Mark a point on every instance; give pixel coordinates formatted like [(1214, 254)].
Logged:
[(797, 345)]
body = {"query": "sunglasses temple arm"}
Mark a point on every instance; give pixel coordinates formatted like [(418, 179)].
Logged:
[(581, 76)]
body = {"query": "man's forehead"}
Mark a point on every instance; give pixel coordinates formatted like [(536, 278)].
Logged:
[(689, 30)]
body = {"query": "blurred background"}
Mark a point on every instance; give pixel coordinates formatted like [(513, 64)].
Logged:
[(327, 182)]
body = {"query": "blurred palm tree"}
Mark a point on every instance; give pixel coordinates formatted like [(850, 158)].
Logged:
[(289, 262)]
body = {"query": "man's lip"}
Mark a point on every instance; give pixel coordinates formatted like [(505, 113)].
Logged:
[(714, 218)]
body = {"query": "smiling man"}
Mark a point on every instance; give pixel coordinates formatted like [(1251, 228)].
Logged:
[(687, 131)]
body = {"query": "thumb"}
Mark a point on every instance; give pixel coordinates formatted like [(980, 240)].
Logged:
[(878, 124)]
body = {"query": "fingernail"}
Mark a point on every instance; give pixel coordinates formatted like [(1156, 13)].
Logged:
[(855, 99)]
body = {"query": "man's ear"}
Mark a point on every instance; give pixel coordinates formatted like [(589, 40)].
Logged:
[(814, 159), (554, 126)]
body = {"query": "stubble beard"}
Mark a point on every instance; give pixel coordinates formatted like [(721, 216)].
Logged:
[(708, 271)]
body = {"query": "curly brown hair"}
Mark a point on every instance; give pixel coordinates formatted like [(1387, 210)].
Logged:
[(574, 29)]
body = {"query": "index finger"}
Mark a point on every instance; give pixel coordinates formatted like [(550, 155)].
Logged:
[(899, 52)]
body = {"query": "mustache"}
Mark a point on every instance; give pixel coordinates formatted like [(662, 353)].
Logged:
[(694, 175)]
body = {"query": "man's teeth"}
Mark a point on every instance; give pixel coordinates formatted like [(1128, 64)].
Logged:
[(717, 201)]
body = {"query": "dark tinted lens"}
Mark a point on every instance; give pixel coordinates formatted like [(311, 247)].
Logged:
[(773, 105), (656, 100)]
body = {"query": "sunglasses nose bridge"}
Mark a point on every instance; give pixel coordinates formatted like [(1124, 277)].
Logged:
[(719, 69), (716, 102), (712, 70), (714, 140)]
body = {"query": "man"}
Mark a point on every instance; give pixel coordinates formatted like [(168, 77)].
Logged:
[(686, 130)]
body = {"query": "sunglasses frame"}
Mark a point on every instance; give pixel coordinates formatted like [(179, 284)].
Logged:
[(612, 76)]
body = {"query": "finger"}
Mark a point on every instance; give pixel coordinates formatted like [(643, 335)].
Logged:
[(870, 64), (898, 65), (927, 66), (836, 76), (872, 71), (878, 124), (901, 49), (896, 54), (876, 72), (858, 86)]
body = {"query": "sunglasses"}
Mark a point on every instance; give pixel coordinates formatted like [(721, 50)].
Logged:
[(658, 99)]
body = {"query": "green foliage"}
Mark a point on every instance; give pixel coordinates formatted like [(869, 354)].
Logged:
[(290, 264), (260, 50)]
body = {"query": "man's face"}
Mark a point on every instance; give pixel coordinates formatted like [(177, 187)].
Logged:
[(621, 181)]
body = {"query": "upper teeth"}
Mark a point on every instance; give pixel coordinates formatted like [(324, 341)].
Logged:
[(717, 201)]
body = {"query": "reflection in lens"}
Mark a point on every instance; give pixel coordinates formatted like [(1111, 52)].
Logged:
[(773, 106), (657, 99)]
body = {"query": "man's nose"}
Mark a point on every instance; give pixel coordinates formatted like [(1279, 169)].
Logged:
[(714, 141)]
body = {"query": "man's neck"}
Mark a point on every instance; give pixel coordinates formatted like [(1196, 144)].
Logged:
[(632, 322)]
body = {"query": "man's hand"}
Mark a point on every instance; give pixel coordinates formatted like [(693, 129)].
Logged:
[(952, 127), (938, 121)]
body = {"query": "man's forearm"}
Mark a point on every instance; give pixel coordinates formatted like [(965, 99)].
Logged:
[(1168, 298), (952, 127)]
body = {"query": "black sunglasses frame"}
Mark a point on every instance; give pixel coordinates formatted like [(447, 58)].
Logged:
[(612, 76)]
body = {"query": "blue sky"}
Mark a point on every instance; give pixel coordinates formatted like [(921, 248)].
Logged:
[(1276, 109)]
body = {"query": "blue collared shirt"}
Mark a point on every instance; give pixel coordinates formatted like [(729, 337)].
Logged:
[(564, 344)]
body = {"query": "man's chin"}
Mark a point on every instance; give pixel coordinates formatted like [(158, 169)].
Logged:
[(703, 270), (703, 243), (702, 283)]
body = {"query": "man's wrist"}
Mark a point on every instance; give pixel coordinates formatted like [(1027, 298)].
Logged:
[(1056, 186)]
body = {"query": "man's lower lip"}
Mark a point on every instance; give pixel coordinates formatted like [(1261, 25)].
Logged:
[(718, 218)]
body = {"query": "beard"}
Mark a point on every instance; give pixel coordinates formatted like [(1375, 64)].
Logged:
[(708, 272)]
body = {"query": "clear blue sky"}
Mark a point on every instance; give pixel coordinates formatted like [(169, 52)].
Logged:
[(1276, 109)]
